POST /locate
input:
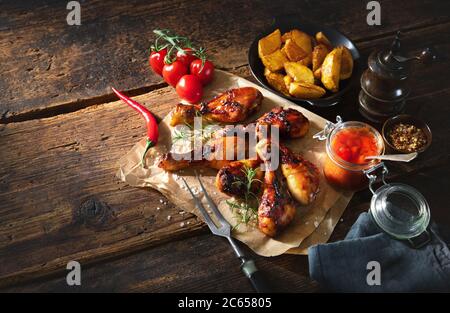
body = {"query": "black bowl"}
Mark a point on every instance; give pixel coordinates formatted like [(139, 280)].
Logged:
[(285, 24)]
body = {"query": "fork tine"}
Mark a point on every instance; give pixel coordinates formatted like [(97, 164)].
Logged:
[(200, 206), (213, 206)]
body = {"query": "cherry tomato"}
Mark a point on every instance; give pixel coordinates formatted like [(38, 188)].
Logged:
[(190, 88), (156, 60), (205, 74), (186, 58), (173, 72)]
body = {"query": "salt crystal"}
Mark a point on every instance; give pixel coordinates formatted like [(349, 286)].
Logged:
[(182, 224), (158, 208), (161, 201), (188, 222), (342, 220), (169, 217), (316, 224), (181, 212)]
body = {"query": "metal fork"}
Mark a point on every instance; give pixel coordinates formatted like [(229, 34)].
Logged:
[(248, 266)]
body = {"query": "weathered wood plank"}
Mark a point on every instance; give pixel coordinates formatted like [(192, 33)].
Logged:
[(49, 67), (54, 168), (209, 265)]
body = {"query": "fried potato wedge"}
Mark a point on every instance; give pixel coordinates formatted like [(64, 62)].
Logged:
[(302, 40), (285, 37), (276, 80), (306, 61), (322, 39), (287, 81), (269, 44), (299, 72), (331, 69), (318, 73), (346, 63), (318, 55), (275, 61), (306, 90), (293, 51)]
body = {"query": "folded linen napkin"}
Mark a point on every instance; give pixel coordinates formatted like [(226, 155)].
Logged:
[(348, 265)]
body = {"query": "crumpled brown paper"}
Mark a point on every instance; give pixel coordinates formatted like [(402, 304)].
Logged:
[(312, 225)]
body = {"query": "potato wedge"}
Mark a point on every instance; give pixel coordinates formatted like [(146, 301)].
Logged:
[(287, 81), (306, 61), (299, 72), (275, 61), (346, 63), (318, 55), (276, 80), (322, 39), (302, 40), (331, 69), (285, 37), (318, 73), (306, 90), (293, 52), (269, 44)]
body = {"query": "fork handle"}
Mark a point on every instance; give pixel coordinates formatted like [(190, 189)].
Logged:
[(256, 278)]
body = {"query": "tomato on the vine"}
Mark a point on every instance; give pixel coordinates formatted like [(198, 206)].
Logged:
[(186, 57), (156, 60), (173, 72), (190, 88), (205, 73)]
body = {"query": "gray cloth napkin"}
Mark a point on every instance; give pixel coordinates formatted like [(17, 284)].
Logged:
[(343, 266)]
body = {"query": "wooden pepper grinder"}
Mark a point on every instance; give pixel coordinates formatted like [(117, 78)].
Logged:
[(385, 84)]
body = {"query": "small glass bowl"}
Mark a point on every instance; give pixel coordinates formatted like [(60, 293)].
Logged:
[(406, 119)]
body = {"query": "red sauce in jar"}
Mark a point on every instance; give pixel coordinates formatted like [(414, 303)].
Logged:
[(346, 156), (355, 144)]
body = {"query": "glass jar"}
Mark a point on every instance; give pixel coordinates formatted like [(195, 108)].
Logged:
[(342, 173), (399, 210)]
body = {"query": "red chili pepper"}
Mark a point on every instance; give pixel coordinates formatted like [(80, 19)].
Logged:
[(152, 125)]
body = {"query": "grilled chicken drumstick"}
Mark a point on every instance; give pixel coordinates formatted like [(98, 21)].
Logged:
[(277, 208), (302, 176), (232, 179), (214, 155), (232, 106), (291, 123)]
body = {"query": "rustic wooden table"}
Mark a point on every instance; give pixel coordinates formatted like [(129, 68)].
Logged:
[(62, 132)]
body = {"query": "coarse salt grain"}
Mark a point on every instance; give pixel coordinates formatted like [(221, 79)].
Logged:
[(316, 224), (182, 224), (158, 208), (169, 217)]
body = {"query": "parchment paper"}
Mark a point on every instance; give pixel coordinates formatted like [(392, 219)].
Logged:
[(313, 224)]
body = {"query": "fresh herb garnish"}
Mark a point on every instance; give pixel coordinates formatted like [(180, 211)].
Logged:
[(246, 210)]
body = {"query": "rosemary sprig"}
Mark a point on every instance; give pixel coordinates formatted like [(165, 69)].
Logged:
[(246, 209), (189, 133)]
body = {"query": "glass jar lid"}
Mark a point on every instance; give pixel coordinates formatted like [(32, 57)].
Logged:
[(400, 210)]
